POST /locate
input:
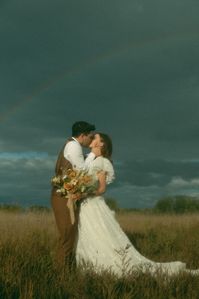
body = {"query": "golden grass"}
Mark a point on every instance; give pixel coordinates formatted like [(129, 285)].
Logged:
[(28, 244), (19, 225), (139, 222)]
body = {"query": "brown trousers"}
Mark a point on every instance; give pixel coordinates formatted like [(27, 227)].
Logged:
[(68, 232)]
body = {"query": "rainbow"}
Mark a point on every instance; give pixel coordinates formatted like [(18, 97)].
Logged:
[(92, 62)]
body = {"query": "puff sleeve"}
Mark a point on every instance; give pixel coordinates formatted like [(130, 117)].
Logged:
[(103, 164)]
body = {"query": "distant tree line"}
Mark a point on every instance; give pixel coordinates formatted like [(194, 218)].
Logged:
[(177, 204), (173, 204), (18, 208)]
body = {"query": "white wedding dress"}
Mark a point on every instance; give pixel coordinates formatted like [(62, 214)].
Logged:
[(103, 243)]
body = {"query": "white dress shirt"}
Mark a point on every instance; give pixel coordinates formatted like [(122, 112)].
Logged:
[(74, 154)]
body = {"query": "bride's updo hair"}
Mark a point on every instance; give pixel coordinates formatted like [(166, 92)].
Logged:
[(107, 147)]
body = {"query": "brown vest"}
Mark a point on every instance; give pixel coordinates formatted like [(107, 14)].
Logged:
[(62, 163), (68, 231)]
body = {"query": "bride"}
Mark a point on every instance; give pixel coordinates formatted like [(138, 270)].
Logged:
[(101, 241)]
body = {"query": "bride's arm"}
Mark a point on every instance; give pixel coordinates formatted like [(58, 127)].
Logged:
[(102, 182)]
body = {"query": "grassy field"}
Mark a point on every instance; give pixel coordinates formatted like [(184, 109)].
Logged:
[(28, 270)]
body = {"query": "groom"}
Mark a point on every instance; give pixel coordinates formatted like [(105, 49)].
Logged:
[(71, 156)]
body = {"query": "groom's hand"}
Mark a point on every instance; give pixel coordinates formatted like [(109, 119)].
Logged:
[(76, 196), (79, 196), (97, 151)]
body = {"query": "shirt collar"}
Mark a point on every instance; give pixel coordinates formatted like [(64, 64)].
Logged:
[(75, 140)]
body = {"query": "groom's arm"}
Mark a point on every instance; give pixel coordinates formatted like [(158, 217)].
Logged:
[(90, 157), (73, 153)]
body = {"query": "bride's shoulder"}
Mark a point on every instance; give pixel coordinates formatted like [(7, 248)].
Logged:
[(107, 163), (108, 167), (97, 163), (102, 161), (98, 160)]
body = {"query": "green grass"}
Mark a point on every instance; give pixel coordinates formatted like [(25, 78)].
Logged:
[(28, 267)]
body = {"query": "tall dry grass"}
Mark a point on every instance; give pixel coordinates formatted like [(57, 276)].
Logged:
[(164, 237), (28, 270)]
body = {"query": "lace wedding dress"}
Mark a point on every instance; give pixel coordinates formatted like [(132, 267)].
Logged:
[(103, 243)]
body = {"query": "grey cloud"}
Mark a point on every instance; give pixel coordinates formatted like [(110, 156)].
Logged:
[(129, 67), (137, 184), (178, 182), (26, 181)]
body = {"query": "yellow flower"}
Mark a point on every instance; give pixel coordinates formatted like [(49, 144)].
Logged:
[(71, 173), (68, 186), (74, 182)]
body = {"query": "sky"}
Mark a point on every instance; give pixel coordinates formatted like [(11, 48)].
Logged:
[(130, 67)]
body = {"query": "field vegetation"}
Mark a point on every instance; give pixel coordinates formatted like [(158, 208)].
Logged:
[(28, 269)]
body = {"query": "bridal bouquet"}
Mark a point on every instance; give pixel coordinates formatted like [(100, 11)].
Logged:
[(74, 182), (74, 185)]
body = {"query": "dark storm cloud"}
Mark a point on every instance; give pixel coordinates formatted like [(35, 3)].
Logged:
[(25, 179), (155, 172), (130, 67)]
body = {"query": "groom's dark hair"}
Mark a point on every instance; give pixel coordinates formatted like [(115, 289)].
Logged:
[(81, 127)]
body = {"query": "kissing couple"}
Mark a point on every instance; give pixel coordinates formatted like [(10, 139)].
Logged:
[(95, 237)]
